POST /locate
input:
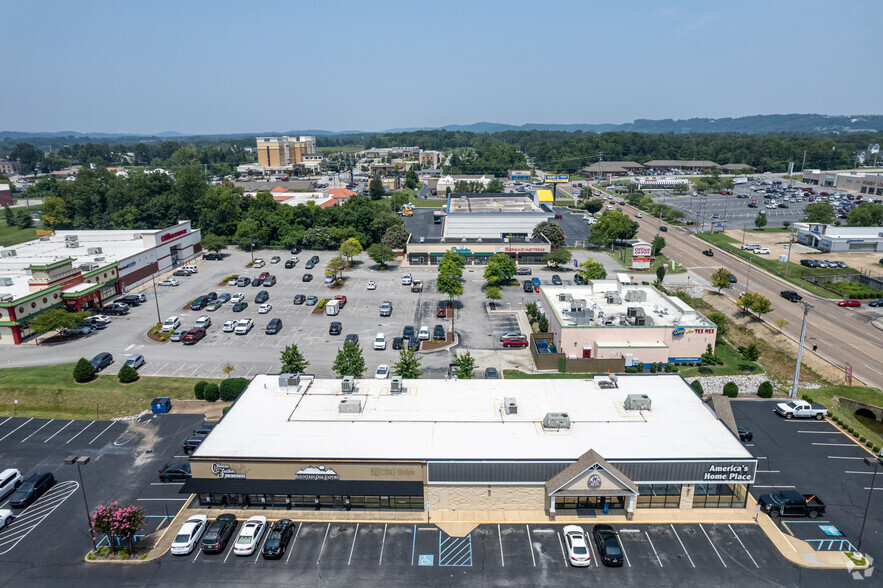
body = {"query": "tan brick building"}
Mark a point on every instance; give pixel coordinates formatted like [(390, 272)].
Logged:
[(284, 151)]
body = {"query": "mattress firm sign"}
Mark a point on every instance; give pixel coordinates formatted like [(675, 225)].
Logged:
[(641, 253)]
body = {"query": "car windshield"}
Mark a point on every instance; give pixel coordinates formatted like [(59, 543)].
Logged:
[(273, 540), (182, 538), (26, 487)]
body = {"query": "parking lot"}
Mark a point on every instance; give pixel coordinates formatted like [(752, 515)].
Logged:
[(814, 457), (733, 211)]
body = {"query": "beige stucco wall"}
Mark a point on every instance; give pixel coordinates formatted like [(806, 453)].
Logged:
[(692, 343), (485, 497)]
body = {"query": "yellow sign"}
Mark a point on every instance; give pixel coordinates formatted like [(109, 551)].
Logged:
[(545, 195), (556, 178)]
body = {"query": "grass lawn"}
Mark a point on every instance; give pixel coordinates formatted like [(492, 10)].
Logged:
[(14, 235), (661, 259), (341, 149), (733, 364), (774, 266), (517, 375), (50, 392), (429, 203), (869, 395), (770, 230)]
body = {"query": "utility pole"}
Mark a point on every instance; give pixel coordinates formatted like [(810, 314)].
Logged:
[(806, 307), (790, 242), (748, 279), (802, 165)]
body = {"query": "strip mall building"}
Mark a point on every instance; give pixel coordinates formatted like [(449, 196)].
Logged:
[(81, 270), (607, 445)]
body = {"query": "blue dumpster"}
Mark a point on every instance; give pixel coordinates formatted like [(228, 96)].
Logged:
[(161, 404), (606, 508)]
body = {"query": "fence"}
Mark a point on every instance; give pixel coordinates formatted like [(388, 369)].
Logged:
[(869, 281), (560, 362)]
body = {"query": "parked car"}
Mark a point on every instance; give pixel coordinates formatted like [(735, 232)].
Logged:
[(170, 282), (352, 338), (218, 533), (289, 263), (191, 443), (330, 279), (577, 548), (213, 306), (275, 259), (171, 324), (609, 549), (371, 285), (579, 280), (791, 295), (270, 281), (229, 326), (309, 264), (274, 326), (515, 342), (423, 333), (335, 328), (876, 303), (250, 535), (386, 308), (203, 322), (262, 297), (135, 361), (243, 282), (174, 472), (745, 435), (181, 273), (491, 374), (243, 326), (528, 286), (379, 342), (177, 335), (523, 271), (31, 489), (307, 277), (10, 479), (382, 372), (849, 302), (790, 503), (441, 311), (193, 335), (101, 361), (801, 409), (265, 308), (556, 280), (240, 306), (78, 331), (311, 301), (299, 299), (277, 539), (408, 331), (6, 517), (189, 535), (761, 251), (438, 333)]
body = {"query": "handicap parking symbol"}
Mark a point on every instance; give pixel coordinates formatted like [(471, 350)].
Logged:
[(426, 560)]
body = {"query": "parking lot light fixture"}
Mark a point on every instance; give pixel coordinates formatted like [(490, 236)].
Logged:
[(875, 463), (78, 461), (806, 308)]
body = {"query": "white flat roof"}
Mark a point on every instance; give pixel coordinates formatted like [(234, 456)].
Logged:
[(439, 419)]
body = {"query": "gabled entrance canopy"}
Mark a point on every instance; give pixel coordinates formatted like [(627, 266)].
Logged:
[(590, 475)]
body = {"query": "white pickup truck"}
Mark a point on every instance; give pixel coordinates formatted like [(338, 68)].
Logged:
[(801, 409)]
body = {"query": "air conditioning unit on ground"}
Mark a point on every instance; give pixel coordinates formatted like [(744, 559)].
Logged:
[(348, 385)]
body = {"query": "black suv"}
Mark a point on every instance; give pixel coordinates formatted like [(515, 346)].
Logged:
[(175, 472), (101, 361), (277, 540), (31, 489), (528, 286), (274, 326), (199, 303), (131, 300), (262, 297), (334, 328), (115, 309), (791, 295), (191, 443), (218, 533)]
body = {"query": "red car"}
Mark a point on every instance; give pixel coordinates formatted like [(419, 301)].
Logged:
[(849, 302), (342, 299), (263, 275), (442, 310), (193, 335), (514, 342)]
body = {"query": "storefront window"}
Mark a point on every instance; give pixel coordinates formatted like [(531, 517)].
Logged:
[(586, 502), (720, 495), (659, 495)]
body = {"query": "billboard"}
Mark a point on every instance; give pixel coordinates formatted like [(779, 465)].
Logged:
[(556, 178)]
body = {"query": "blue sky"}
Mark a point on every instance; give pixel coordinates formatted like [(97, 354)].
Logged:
[(214, 67)]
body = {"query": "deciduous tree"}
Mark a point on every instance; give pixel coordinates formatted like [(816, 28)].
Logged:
[(500, 269), (552, 231), (819, 212), (376, 189), (293, 361), (558, 257), (350, 248), (760, 221), (349, 361), (464, 366), (720, 279), (592, 270), (408, 365), (381, 254)]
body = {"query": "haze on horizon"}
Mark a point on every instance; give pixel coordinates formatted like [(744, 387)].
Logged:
[(206, 67)]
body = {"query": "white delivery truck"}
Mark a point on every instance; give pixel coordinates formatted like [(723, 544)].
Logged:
[(332, 307)]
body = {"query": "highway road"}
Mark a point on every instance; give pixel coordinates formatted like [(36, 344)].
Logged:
[(842, 334)]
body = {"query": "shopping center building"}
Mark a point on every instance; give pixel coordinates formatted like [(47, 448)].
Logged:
[(605, 445), (80, 270)]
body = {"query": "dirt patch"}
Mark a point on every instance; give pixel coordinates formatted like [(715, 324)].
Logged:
[(431, 345), (320, 307), (213, 411), (339, 284), (157, 337)]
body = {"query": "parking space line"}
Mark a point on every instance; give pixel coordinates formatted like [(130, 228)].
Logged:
[(16, 429), (654, 548), (198, 551), (61, 492), (829, 457), (78, 434), (35, 432), (58, 431), (592, 551), (743, 546), (774, 486), (863, 473), (112, 423), (768, 471), (260, 546), (682, 545), (353, 546), (229, 551), (837, 444), (561, 544), (819, 432), (622, 547), (414, 544), (4, 420), (383, 544), (322, 549), (530, 545), (291, 549), (712, 545), (500, 537)]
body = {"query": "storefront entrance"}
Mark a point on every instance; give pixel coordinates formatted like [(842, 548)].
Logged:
[(591, 484)]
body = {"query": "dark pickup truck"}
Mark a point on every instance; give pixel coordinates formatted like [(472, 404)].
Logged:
[(788, 503)]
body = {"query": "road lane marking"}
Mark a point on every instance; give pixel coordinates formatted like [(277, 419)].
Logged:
[(353, 546), (13, 534), (743, 545), (16, 429), (35, 432), (78, 434), (682, 546), (322, 549), (712, 544), (530, 544), (654, 548), (58, 431), (112, 423)]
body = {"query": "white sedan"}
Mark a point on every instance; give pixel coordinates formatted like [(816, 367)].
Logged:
[(761, 250), (6, 517), (250, 535), (423, 333), (371, 285), (170, 282), (577, 547), (382, 372), (265, 308), (229, 326), (189, 535), (238, 297)]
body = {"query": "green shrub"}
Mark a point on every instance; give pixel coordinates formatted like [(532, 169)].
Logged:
[(877, 449), (232, 388), (83, 371), (631, 370), (697, 386), (862, 439), (854, 290), (210, 392), (705, 371), (868, 444), (765, 390), (652, 368), (640, 368), (127, 374), (731, 390), (226, 408), (199, 389)]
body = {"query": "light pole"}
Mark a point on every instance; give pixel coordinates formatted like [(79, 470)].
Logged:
[(748, 280), (790, 242), (78, 461), (806, 307), (155, 298), (876, 462)]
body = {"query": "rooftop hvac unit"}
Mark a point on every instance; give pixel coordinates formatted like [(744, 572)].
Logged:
[(44, 238), (556, 420), (5, 281), (71, 238), (637, 402), (348, 385), (8, 253), (565, 297), (510, 405), (100, 259), (5, 297), (395, 386), (287, 380), (71, 244), (94, 251), (350, 406)]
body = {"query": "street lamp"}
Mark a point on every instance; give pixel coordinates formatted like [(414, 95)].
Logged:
[(875, 463), (78, 461), (806, 307)]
